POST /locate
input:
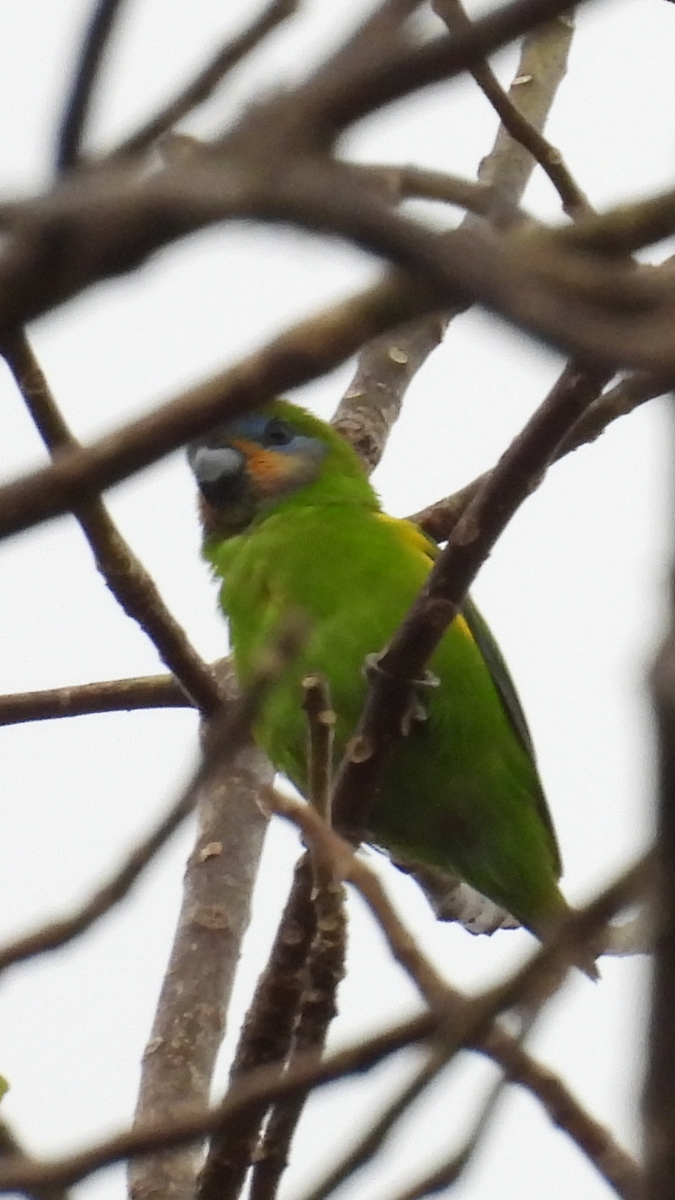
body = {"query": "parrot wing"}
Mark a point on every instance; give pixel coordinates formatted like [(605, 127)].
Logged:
[(508, 695), (497, 668), (416, 539)]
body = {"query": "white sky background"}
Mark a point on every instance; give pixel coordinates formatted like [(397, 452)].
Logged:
[(574, 591)]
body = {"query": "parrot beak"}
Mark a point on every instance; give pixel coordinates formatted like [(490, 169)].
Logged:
[(220, 472)]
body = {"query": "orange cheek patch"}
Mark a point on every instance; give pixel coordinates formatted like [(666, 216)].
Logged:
[(269, 470)]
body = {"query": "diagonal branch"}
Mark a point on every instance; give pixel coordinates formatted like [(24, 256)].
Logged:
[(123, 572), (518, 472), (269, 1083), (93, 50), (387, 365), (439, 519), (228, 732), (57, 933), (542, 67), (199, 89), (303, 352)]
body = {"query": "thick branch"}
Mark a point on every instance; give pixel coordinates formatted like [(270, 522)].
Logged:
[(190, 1019), (191, 1014)]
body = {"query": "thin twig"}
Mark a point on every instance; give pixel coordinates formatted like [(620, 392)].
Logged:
[(620, 1170), (199, 89), (228, 732), (368, 1146), (447, 1174), (81, 699), (269, 1083), (74, 119), (402, 182), (549, 44), (123, 572), (321, 731), (54, 934)]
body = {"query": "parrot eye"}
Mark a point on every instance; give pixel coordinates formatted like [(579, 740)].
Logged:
[(278, 433)]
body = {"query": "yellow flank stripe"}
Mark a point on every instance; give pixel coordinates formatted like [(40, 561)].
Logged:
[(414, 539), (411, 537), (461, 623)]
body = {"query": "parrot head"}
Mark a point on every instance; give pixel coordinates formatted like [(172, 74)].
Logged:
[(251, 463)]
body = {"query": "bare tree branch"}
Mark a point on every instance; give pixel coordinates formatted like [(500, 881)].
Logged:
[(372, 1141), (123, 572), (81, 699), (10, 1146), (659, 1097), (79, 100), (325, 968), (325, 963), (57, 933), (190, 1018), (544, 49), (191, 1014), (470, 1021), (265, 1039), (208, 79), (439, 519), (612, 1162), (304, 351)]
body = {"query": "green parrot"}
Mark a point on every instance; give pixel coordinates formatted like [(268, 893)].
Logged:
[(291, 522)]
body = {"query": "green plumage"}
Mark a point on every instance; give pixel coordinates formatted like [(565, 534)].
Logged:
[(292, 523)]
